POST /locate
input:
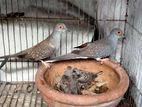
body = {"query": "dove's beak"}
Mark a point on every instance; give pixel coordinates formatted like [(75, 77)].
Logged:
[(68, 30), (124, 37)]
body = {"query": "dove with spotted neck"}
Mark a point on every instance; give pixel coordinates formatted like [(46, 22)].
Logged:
[(44, 49), (98, 49)]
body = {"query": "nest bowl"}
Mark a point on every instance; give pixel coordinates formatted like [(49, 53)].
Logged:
[(115, 76)]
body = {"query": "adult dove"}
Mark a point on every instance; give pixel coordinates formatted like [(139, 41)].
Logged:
[(42, 50), (98, 49)]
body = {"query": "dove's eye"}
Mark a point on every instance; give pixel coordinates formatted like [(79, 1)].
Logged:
[(61, 27), (119, 33)]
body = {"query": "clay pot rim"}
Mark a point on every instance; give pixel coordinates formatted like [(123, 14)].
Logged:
[(110, 95)]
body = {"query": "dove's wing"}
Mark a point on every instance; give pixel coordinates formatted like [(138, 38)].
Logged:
[(95, 50), (38, 53), (83, 45)]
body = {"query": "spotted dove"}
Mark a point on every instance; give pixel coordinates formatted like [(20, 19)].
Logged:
[(98, 49), (42, 50)]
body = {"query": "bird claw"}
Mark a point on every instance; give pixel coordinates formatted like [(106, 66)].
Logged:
[(107, 59), (45, 64), (102, 60), (118, 63)]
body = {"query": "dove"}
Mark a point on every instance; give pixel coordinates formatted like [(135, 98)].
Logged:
[(105, 47), (42, 50)]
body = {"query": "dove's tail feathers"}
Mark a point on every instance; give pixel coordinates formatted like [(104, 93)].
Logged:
[(68, 56), (75, 51), (83, 45), (8, 56), (64, 57), (4, 62), (20, 55)]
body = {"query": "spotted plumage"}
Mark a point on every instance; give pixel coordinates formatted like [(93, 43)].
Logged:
[(42, 50), (101, 48)]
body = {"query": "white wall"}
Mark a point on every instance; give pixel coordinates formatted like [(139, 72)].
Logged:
[(132, 49), (111, 14), (14, 39)]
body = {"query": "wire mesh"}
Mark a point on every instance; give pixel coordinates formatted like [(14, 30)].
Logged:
[(24, 23), (20, 95)]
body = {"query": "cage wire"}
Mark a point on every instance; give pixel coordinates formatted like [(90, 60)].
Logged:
[(24, 23)]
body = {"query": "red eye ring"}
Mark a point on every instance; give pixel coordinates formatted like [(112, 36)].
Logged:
[(61, 27), (119, 32)]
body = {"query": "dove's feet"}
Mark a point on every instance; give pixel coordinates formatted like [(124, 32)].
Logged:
[(47, 65), (102, 60)]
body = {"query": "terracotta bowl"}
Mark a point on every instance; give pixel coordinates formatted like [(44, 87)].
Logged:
[(115, 76)]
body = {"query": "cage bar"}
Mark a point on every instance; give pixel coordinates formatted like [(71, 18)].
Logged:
[(24, 23)]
